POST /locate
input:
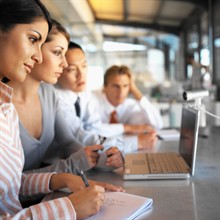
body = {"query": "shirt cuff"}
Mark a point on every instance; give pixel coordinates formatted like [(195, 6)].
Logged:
[(60, 208), (35, 183)]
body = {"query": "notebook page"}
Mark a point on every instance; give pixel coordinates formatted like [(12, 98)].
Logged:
[(121, 206)]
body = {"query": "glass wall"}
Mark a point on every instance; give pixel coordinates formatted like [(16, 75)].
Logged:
[(196, 50), (216, 38)]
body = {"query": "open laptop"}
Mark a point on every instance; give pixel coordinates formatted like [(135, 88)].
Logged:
[(168, 165)]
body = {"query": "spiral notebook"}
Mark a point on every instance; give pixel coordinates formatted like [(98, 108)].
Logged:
[(117, 205), (122, 206)]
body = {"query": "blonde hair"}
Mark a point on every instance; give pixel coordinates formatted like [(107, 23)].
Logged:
[(116, 70), (57, 28)]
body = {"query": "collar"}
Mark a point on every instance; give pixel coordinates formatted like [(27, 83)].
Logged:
[(5, 93), (110, 107), (67, 94)]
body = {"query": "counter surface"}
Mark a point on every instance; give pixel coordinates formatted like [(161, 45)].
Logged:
[(195, 198)]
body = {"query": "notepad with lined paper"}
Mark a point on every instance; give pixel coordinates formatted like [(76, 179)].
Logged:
[(119, 206)]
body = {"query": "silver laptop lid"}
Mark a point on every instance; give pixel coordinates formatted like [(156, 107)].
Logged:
[(189, 135)]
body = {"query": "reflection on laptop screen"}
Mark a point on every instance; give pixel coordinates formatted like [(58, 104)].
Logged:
[(187, 134)]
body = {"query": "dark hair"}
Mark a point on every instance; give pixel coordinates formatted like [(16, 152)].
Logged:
[(57, 28), (73, 45), (13, 12), (116, 70)]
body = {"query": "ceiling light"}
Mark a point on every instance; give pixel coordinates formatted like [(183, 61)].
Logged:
[(110, 46)]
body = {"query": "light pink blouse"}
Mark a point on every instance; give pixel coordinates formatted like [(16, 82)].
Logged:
[(13, 182)]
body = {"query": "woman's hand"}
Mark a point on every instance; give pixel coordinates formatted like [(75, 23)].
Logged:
[(75, 183), (107, 186), (88, 201), (66, 180)]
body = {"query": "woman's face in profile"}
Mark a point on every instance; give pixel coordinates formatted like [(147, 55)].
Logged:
[(21, 49), (54, 60)]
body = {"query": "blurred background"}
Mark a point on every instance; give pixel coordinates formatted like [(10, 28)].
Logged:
[(155, 38)]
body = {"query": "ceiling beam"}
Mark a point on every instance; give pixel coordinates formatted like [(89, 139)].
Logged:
[(125, 15), (154, 26), (159, 12), (201, 3), (192, 18)]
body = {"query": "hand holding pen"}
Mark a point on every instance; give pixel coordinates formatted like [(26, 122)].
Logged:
[(86, 201), (74, 183), (92, 154), (106, 186), (83, 176), (90, 200)]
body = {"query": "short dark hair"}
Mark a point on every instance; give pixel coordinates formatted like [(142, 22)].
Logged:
[(73, 45), (13, 12), (57, 28), (116, 70)]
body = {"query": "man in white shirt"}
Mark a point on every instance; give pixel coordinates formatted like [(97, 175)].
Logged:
[(116, 107), (89, 126), (118, 83)]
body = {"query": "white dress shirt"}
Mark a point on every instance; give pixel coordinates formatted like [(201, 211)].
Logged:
[(130, 111), (89, 126)]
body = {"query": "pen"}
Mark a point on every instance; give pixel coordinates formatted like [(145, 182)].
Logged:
[(158, 136), (101, 139), (83, 176)]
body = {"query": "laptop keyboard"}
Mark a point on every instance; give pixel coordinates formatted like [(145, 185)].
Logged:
[(166, 163)]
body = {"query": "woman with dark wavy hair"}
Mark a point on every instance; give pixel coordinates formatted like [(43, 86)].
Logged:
[(24, 27)]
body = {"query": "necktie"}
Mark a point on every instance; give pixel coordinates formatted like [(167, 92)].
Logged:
[(113, 118), (77, 107)]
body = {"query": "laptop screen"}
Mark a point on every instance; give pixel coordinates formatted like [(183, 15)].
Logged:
[(189, 134)]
